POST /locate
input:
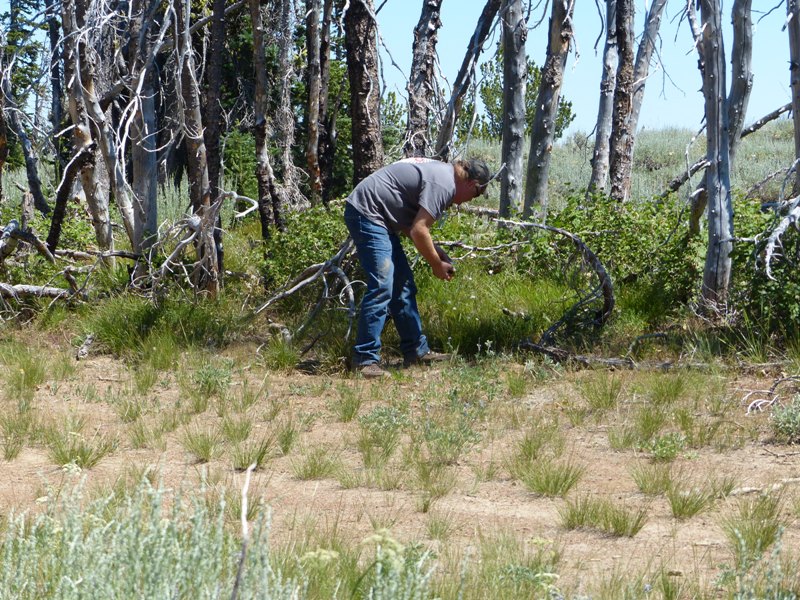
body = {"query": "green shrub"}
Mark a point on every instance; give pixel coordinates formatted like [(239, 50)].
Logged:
[(786, 421), (311, 237)]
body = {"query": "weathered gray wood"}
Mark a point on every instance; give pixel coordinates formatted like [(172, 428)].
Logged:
[(31, 162), (464, 79), (644, 56), (717, 270), (206, 277), (515, 66), (738, 98), (605, 109), (72, 19), (422, 80), (544, 125), (793, 26)]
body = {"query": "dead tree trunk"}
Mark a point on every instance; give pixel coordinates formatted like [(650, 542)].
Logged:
[(327, 114), (793, 25), (621, 148), (87, 80), (3, 143), (207, 278), (641, 67), (144, 159), (31, 167), (269, 201), (362, 70), (284, 118), (515, 73), (212, 132), (72, 20), (717, 271), (544, 124), (742, 84), (422, 80), (313, 85), (605, 109), (465, 76)]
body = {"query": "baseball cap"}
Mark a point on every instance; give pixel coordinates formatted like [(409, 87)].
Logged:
[(479, 171)]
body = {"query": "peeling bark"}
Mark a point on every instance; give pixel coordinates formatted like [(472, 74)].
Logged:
[(544, 125), (621, 147), (422, 81)]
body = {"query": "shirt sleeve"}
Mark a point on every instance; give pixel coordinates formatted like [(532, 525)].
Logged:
[(434, 198)]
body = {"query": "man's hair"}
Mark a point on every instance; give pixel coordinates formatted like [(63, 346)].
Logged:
[(477, 170)]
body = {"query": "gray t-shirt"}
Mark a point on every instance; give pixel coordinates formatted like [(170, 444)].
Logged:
[(393, 195)]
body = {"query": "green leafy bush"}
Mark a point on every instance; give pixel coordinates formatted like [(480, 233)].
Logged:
[(311, 236), (786, 421)]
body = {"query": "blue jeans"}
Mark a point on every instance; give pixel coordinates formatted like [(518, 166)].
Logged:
[(390, 290)]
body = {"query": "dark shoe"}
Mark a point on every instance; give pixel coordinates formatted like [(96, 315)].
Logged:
[(427, 359), (372, 371)]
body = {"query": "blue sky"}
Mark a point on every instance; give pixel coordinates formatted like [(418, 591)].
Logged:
[(673, 94)]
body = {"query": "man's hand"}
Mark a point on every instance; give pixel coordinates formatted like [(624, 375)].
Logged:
[(443, 270), (421, 236)]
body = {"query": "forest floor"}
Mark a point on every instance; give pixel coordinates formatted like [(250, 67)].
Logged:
[(437, 456)]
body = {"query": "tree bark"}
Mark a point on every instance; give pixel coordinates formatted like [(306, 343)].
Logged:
[(31, 166), (793, 25), (515, 73), (87, 81), (206, 279), (327, 117), (72, 19), (544, 124), (717, 271), (742, 84), (212, 133), (313, 85), (56, 90), (144, 159), (621, 148), (362, 71), (464, 78), (63, 193), (269, 200), (422, 80), (3, 143), (644, 55), (605, 109)]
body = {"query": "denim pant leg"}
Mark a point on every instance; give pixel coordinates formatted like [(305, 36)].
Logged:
[(403, 306), (374, 249)]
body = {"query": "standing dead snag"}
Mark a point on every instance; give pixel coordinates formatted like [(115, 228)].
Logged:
[(622, 134), (717, 271), (544, 123), (515, 33), (793, 25), (362, 71), (466, 75), (422, 81)]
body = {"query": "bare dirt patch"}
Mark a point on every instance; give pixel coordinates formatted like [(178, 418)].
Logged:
[(486, 403)]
